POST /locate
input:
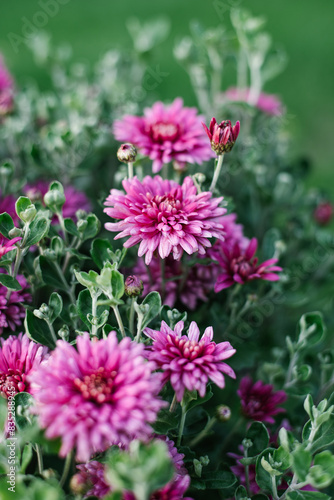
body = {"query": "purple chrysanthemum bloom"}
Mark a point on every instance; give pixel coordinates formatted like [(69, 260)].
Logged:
[(7, 245), (193, 285), (187, 361), (102, 394), (259, 401), (19, 357), (164, 216), (178, 485), (268, 103), (75, 200), (7, 204), (90, 481), (238, 265), (12, 311), (222, 136), (6, 89), (166, 133)]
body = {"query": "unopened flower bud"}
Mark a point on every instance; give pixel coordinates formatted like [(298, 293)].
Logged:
[(79, 484), (28, 214), (127, 153), (64, 333), (15, 232), (55, 197), (133, 286), (323, 213), (179, 166), (222, 136), (247, 443), (223, 413), (199, 177)]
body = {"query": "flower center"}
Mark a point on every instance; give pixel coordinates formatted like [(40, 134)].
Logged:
[(190, 349), (97, 387), (242, 267), (162, 131), (12, 381)]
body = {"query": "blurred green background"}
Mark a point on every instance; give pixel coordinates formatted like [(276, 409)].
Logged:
[(304, 28)]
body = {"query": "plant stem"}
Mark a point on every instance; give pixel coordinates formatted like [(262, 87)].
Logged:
[(173, 404), (66, 469), (119, 321), (18, 257), (247, 475), (163, 279), (216, 174), (68, 289), (39, 459), (130, 169), (62, 225), (132, 315), (53, 333), (94, 314), (182, 422), (203, 433)]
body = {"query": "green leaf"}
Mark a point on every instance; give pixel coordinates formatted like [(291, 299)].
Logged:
[(9, 282), (321, 474), (26, 457), (6, 224), (240, 493), (117, 284), (37, 230), (71, 227), (166, 422), (25, 401), (324, 436), (38, 330), (92, 228), (283, 457), (307, 495), (195, 401), (84, 308), (263, 478), (259, 436), (301, 462), (50, 274), (101, 252), (153, 300), (55, 305), (312, 330), (214, 480)]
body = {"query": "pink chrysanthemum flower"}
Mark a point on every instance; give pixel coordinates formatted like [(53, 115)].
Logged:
[(6, 89), (164, 216), (12, 311), (238, 265), (19, 357), (176, 488), (166, 133), (90, 481), (268, 103), (222, 135), (75, 200), (7, 245), (193, 285), (187, 361), (259, 401), (102, 394)]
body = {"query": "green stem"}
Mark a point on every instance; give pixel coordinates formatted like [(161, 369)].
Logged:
[(163, 279), (66, 469), (19, 256), (130, 169), (139, 325), (204, 432), (274, 487), (68, 289), (132, 315), (173, 404), (94, 314), (39, 459), (119, 321), (62, 225), (53, 333), (182, 422), (247, 474), (216, 174)]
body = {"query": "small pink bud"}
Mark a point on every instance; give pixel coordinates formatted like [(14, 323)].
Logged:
[(223, 136), (127, 153), (323, 213), (133, 286)]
